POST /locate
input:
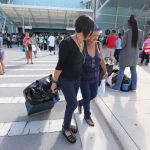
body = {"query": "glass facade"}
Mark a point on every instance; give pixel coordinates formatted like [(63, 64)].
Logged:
[(111, 15), (4, 1), (115, 13)]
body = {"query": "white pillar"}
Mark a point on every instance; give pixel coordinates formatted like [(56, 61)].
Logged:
[(12, 27), (16, 30), (23, 30), (4, 24)]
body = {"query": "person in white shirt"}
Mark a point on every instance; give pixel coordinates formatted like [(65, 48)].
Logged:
[(51, 41), (118, 47)]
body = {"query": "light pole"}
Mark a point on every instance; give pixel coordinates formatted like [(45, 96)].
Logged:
[(94, 10)]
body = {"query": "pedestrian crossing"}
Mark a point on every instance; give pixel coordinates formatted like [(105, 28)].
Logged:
[(42, 67), (15, 124), (39, 69)]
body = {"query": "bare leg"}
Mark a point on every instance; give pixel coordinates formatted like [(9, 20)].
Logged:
[(1, 69), (27, 56), (3, 66), (30, 56)]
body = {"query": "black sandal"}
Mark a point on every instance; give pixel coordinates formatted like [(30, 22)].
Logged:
[(73, 128), (71, 137)]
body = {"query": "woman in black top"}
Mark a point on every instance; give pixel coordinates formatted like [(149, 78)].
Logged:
[(69, 68)]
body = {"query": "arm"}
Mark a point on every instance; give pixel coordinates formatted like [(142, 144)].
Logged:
[(1, 42), (124, 41), (103, 65), (30, 41), (63, 53)]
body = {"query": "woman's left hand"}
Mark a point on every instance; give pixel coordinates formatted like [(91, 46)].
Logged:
[(105, 76)]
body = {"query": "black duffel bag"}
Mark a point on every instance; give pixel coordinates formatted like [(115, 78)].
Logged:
[(39, 91)]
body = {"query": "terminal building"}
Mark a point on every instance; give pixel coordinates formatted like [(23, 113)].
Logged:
[(60, 15)]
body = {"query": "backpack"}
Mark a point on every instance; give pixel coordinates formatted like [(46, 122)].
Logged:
[(126, 84)]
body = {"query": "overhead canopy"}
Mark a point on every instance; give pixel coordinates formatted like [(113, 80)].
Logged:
[(43, 17)]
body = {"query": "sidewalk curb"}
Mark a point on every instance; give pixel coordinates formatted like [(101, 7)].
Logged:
[(119, 131)]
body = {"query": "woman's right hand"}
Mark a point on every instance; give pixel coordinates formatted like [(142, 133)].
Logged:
[(53, 88)]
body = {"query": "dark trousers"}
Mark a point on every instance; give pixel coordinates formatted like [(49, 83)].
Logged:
[(116, 54), (89, 92), (9, 44), (52, 49), (70, 89), (145, 56)]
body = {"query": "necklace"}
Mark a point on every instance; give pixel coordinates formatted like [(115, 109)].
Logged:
[(80, 44)]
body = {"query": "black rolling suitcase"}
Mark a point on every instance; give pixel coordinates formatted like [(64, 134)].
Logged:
[(39, 97)]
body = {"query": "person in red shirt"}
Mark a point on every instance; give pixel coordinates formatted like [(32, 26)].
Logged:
[(27, 41), (111, 40)]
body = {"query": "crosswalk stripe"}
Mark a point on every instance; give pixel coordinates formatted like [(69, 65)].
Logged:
[(35, 61), (14, 100), (31, 69), (34, 65), (23, 76), (8, 85), (31, 127)]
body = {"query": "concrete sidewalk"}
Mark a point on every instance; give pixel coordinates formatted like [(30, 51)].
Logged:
[(128, 113)]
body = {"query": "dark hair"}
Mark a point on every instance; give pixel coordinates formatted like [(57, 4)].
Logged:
[(119, 35), (85, 24), (113, 31), (133, 24)]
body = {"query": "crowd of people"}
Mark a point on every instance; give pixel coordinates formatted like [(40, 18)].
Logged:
[(38, 42)]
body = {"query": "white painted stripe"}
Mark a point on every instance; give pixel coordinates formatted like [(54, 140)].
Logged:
[(16, 128), (31, 127), (4, 128), (13, 100), (9, 85), (6, 100), (34, 65), (35, 61), (31, 69), (23, 76)]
